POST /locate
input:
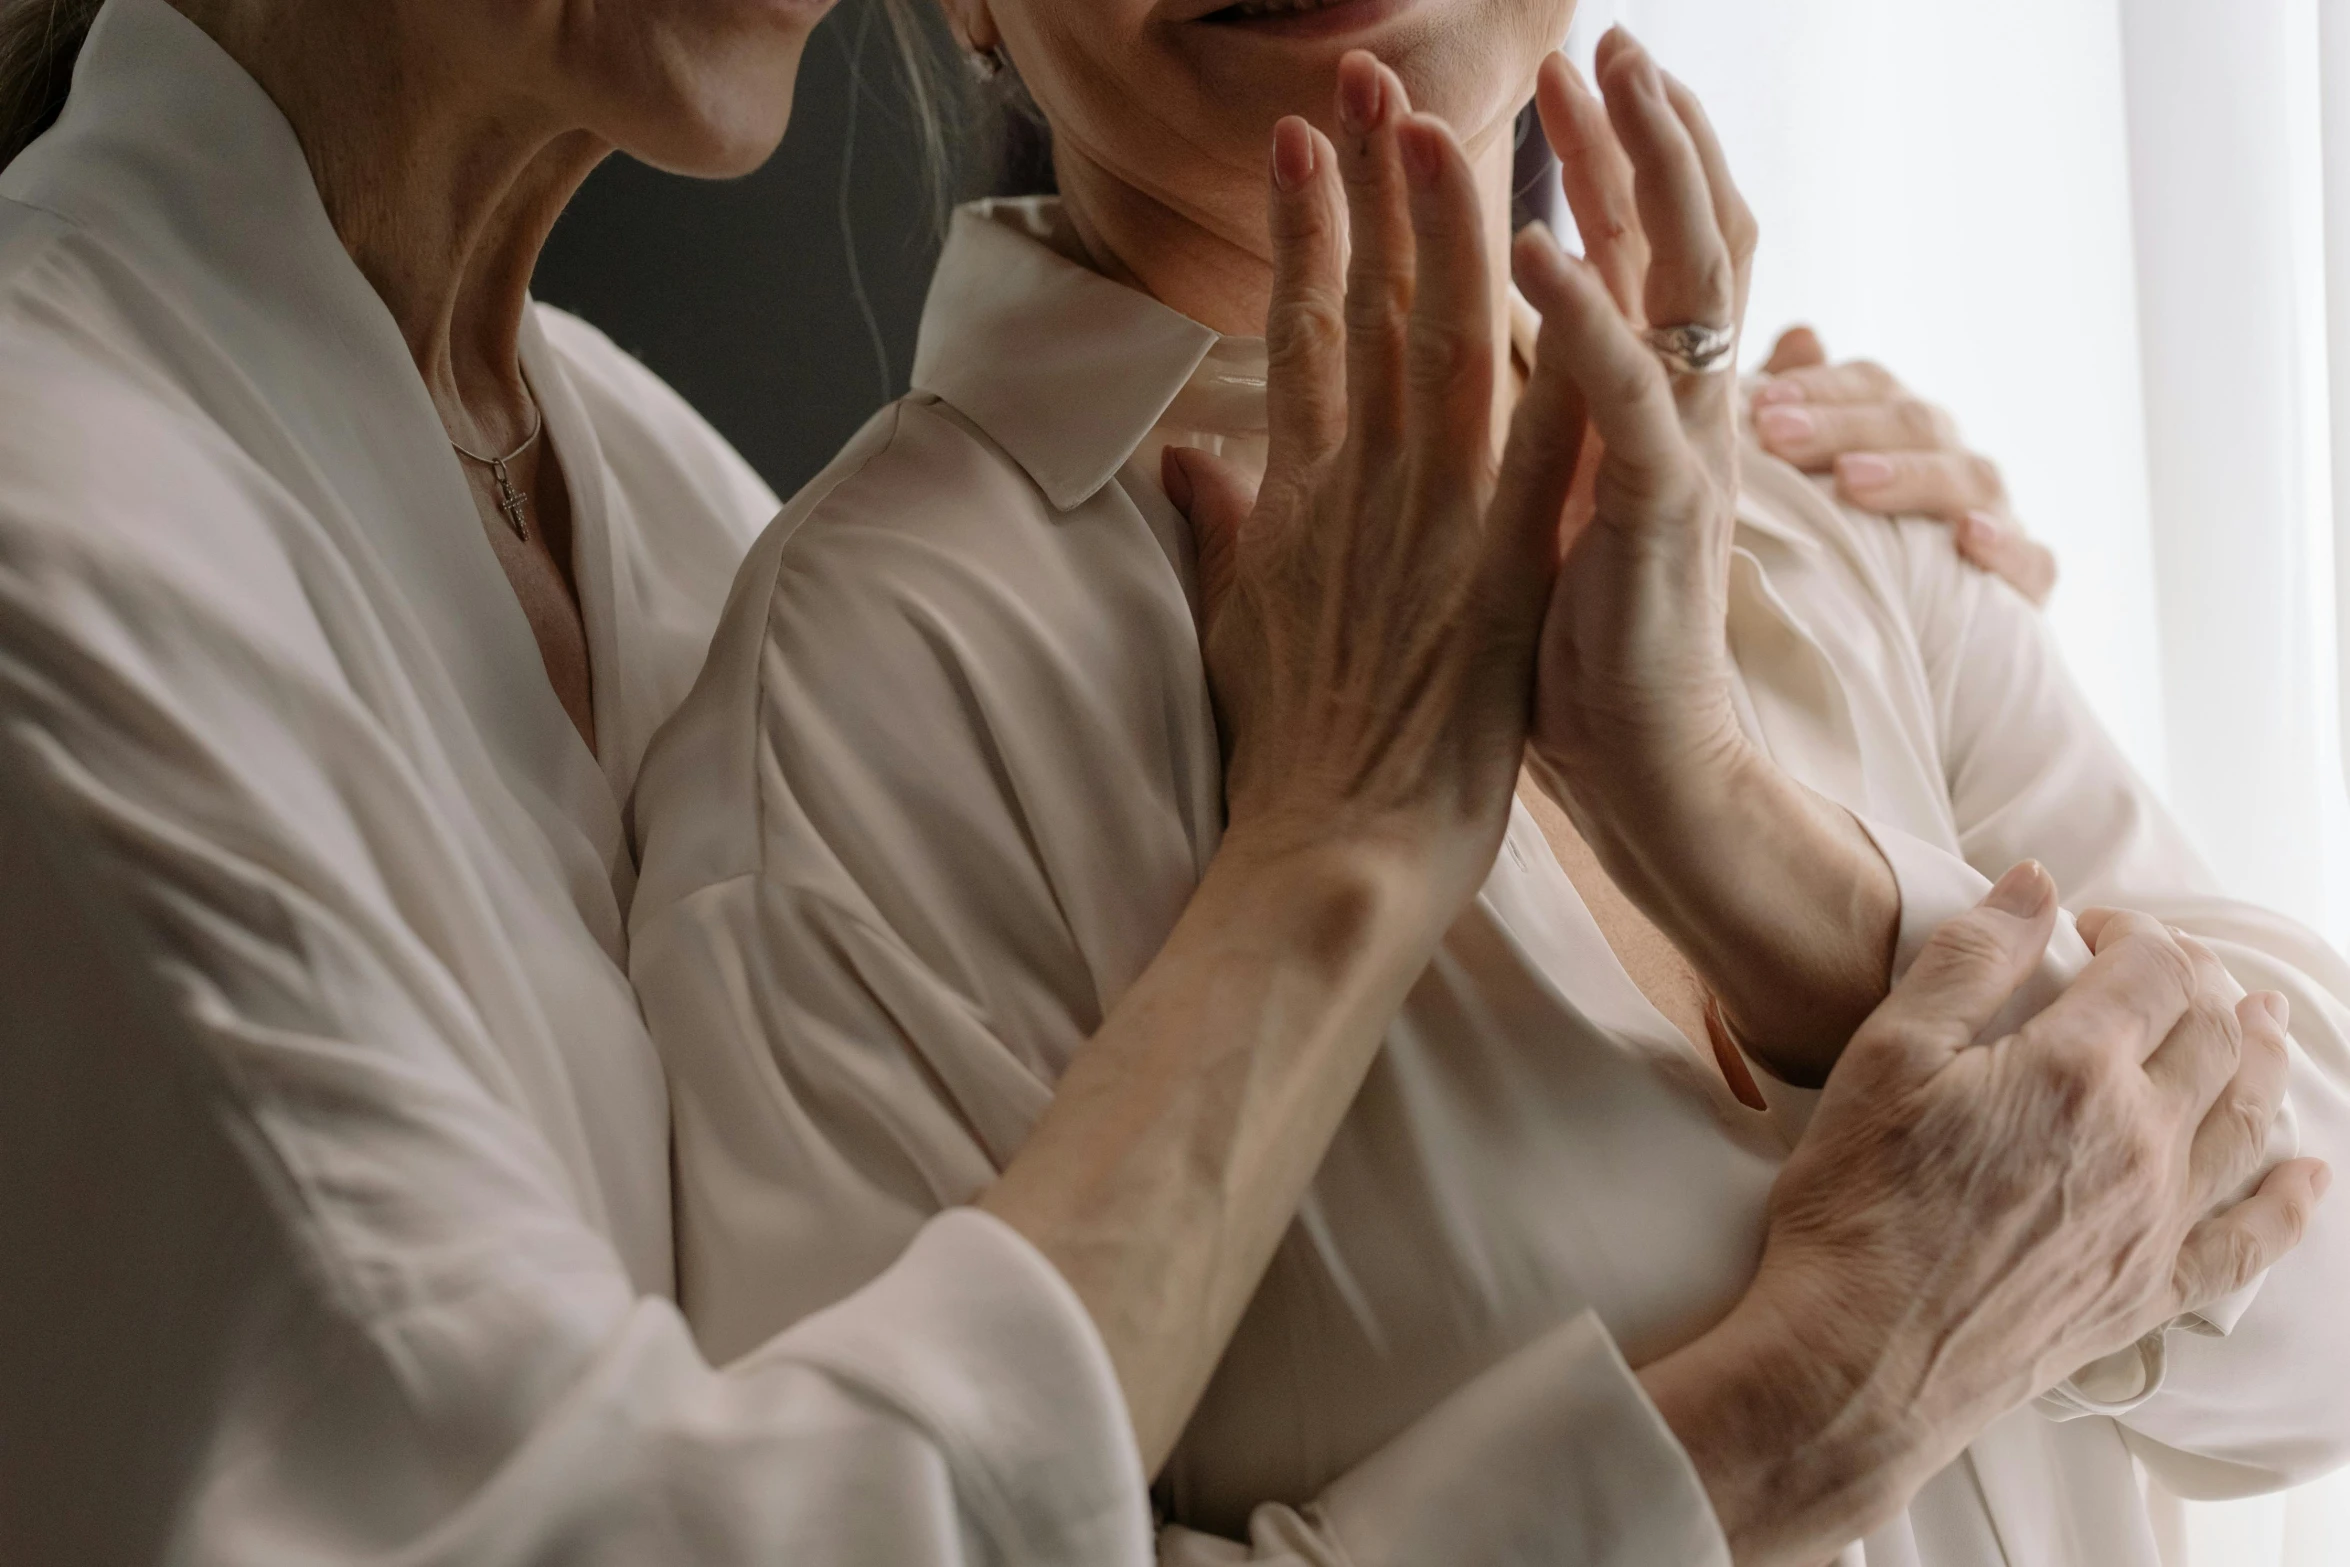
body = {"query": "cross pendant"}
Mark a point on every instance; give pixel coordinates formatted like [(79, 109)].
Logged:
[(511, 501)]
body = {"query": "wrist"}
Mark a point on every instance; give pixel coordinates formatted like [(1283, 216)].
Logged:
[(1800, 1447), (1339, 895)]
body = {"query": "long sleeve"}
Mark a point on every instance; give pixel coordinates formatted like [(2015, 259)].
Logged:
[(299, 1268), (978, 810), (2032, 774)]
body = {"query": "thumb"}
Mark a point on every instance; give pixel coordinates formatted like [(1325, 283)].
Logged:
[(1217, 502), (1798, 348), (1969, 969)]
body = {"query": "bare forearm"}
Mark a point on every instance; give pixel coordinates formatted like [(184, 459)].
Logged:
[(1184, 1134), (1776, 895), (1797, 1458)]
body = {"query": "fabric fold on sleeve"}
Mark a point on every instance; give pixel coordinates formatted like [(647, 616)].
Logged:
[(977, 1339), (1552, 1458)]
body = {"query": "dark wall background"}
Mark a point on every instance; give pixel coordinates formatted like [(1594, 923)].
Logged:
[(745, 294)]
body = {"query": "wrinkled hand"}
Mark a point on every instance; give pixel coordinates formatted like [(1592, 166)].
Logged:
[(1370, 615), (1776, 895), (1893, 454), (1635, 676), (1962, 1227)]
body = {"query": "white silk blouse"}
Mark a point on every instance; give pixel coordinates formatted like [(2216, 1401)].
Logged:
[(951, 773), (334, 1156)]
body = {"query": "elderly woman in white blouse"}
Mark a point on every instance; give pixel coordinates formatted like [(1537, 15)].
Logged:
[(955, 768), (341, 590)]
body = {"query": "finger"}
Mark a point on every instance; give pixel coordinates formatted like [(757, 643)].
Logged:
[(2225, 1253), (1798, 348), (1547, 440), (1451, 360), (1597, 178), (1305, 328), (2232, 1139), (1968, 970), (2093, 923), (1859, 381), (2005, 551), (1732, 216), (1946, 484), (2204, 1049), (1379, 267), (1691, 275), (1813, 435), (1217, 501), (1586, 343), (2127, 1001)]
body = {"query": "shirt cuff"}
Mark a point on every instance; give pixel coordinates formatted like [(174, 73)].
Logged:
[(1936, 886), (976, 1339), (1554, 1455)]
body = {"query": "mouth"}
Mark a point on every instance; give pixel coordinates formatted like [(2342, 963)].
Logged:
[(1307, 18)]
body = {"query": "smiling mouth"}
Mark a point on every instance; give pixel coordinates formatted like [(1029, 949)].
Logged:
[(1253, 10), (1306, 16)]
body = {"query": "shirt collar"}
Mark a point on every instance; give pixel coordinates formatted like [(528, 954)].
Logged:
[(1070, 372), (1064, 369)]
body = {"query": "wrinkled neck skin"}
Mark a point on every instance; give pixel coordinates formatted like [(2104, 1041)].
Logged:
[(442, 188), (1215, 264)]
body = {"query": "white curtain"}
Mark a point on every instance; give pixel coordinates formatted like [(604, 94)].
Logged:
[(2106, 233)]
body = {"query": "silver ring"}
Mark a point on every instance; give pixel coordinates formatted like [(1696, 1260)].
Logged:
[(1692, 349)]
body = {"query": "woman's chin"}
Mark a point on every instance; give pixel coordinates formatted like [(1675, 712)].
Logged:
[(1282, 55)]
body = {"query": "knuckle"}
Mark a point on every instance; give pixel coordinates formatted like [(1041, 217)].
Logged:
[(1971, 941), (1742, 232), (2072, 1076), (1918, 422), (2243, 1257), (1876, 378), (1438, 356), (1309, 328), (1377, 300), (1983, 476), (2245, 1125), (2167, 963), (1715, 282)]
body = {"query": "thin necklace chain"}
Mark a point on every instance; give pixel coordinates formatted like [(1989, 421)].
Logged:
[(513, 502)]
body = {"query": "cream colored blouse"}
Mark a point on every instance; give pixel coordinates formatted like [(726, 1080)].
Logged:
[(951, 772), (351, 1242)]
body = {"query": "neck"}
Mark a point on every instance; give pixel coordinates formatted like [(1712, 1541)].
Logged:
[(442, 192), (1217, 269)]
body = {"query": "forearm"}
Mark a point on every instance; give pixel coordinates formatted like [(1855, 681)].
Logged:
[(1777, 896), (1182, 1138), (1797, 1458)]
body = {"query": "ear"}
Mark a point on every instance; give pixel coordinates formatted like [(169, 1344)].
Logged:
[(973, 24)]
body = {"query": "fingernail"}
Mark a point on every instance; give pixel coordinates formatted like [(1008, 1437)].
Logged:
[(1864, 471), (1785, 425), (1421, 151), (1293, 154), (1780, 390), (2278, 1008), (2023, 892), (1359, 92)]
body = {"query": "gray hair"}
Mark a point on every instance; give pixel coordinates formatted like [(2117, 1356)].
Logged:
[(39, 42)]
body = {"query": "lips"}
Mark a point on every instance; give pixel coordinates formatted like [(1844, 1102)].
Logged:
[(1252, 10), (1306, 16)]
